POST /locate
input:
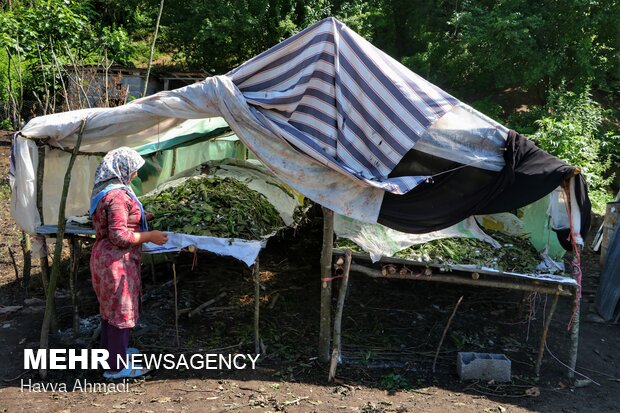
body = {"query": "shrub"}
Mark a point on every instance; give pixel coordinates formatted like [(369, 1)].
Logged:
[(572, 132)]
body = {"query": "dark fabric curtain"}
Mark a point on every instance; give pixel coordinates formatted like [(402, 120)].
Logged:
[(448, 198)]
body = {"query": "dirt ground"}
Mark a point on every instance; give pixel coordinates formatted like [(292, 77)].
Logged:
[(391, 330)]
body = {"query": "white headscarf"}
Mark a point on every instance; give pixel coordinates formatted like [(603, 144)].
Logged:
[(117, 167)]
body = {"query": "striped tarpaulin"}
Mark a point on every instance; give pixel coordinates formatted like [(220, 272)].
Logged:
[(337, 98)]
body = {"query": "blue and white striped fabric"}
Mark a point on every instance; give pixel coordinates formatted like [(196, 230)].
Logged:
[(337, 98)]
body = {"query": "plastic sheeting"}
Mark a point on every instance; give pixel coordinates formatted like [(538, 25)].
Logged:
[(243, 250), (466, 136), (141, 121), (380, 241)]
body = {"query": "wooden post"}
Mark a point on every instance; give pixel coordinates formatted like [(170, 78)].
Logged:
[(543, 338), (49, 305), (574, 341), (256, 277), (176, 303), (338, 317), (44, 263), (27, 252), (76, 250), (326, 286)]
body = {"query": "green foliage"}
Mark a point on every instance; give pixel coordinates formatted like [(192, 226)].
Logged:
[(488, 107), (219, 207), (393, 382), (571, 131)]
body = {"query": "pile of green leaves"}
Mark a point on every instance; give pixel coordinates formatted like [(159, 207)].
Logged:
[(218, 207), (515, 255)]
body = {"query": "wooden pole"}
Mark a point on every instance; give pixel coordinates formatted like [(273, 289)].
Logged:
[(176, 303), (543, 338), (452, 279), (27, 253), (326, 286), (256, 307), (44, 263), (75, 265), (574, 342), (445, 330), (49, 305), (338, 317)]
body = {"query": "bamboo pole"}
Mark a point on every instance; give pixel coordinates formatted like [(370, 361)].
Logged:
[(256, 307), (574, 342), (49, 305), (543, 338), (452, 279), (338, 316), (326, 286)]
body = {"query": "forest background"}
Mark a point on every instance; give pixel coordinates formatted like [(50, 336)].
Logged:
[(548, 69)]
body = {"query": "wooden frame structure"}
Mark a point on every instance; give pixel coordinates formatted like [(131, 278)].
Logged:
[(420, 271)]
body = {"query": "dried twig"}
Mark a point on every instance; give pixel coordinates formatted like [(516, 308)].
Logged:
[(206, 304), (445, 330)]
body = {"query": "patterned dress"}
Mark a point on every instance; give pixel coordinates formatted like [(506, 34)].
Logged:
[(114, 262)]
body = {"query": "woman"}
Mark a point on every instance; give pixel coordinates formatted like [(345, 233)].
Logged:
[(120, 225)]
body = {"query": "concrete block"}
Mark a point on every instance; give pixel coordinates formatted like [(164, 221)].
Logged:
[(483, 366)]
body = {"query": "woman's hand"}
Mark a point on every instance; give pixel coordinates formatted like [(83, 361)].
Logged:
[(148, 215), (158, 237)]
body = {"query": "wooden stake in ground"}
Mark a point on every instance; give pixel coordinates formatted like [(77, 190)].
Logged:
[(543, 338), (76, 250), (176, 303), (27, 253), (49, 304), (338, 317), (326, 286), (445, 330), (256, 307)]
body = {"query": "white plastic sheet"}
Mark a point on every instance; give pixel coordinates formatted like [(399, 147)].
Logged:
[(243, 250), (380, 241), (143, 120)]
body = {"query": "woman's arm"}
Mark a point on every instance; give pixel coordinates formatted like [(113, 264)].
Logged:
[(156, 237), (118, 232)]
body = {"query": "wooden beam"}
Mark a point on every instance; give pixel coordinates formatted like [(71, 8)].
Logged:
[(454, 279)]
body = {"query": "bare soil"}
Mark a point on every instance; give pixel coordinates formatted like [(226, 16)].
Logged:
[(391, 330)]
